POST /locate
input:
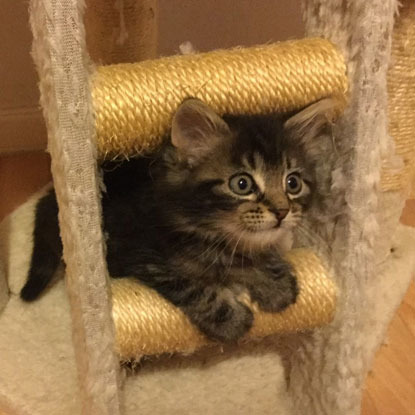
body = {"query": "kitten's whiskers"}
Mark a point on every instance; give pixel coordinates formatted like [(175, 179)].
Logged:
[(218, 254), (233, 254)]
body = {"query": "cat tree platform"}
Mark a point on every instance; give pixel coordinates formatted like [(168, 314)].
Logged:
[(39, 375)]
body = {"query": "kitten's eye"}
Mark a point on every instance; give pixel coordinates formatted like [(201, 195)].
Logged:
[(293, 183), (242, 184)]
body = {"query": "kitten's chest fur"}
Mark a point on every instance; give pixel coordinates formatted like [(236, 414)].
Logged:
[(210, 261)]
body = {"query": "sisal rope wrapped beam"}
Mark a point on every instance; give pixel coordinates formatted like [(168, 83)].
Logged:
[(134, 103), (401, 105), (147, 324)]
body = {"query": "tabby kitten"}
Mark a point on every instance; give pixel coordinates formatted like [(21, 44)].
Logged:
[(201, 221)]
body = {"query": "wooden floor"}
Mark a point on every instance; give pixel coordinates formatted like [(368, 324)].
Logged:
[(390, 387)]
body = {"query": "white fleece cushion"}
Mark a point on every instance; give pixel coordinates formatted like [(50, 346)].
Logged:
[(37, 367)]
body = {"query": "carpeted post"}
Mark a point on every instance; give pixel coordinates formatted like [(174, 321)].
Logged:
[(60, 55), (329, 367)]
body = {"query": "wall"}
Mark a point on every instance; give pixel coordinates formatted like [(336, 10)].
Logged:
[(21, 124), (225, 23), (208, 24)]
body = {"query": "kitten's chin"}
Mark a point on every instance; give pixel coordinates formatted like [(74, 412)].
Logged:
[(280, 238)]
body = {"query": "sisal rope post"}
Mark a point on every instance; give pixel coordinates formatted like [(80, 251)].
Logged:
[(60, 55), (401, 107), (134, 103), (146, 324)]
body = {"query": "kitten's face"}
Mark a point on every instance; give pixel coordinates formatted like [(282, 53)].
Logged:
[(242, 181)]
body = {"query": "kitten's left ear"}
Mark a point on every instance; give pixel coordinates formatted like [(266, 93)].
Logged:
[(311, 121), (196, 130)]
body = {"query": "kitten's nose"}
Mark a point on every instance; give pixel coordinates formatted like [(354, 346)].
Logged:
[(281, 214)]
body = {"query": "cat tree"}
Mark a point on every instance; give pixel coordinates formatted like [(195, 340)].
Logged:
[(326, 366)]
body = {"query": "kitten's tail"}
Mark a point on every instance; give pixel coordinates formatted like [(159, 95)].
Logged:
[(47, 248), (41, 273)]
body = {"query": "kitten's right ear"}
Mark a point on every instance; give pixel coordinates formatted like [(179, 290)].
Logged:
[(196, 130)]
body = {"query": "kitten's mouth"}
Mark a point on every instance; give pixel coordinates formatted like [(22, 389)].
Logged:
[(277, 225), (272, 227), (259, 238)]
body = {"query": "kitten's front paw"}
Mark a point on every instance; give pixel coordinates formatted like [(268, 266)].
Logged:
[(275, 293), (227, 323)]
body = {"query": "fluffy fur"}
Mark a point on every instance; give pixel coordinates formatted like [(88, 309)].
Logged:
[(200, 221)]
